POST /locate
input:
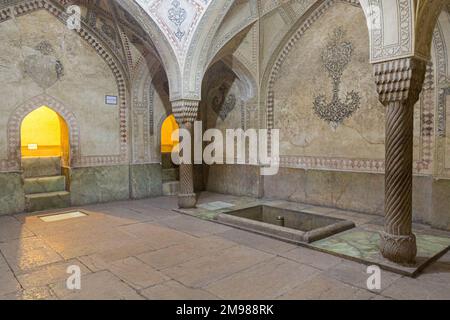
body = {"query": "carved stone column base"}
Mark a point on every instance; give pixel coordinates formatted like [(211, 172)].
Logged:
[(399, 249), (187, 201)]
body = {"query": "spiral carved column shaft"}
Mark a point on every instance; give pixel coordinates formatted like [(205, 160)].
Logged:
[(398, 242), (399, 83), (185, 112)]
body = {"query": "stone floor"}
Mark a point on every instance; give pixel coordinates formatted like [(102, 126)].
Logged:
[(144, 250)]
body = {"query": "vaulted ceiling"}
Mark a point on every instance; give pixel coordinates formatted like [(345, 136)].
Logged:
[(177, 19), (189, 35)]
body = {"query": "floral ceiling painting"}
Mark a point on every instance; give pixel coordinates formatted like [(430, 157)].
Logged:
[(178, 19)]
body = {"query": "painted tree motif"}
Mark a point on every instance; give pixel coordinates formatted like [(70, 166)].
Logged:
[(335, 57)]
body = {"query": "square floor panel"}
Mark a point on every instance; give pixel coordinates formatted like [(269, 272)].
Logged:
[(63, 216), (217, 205)]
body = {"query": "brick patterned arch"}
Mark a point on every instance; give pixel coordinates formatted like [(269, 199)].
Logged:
[(15, 122)]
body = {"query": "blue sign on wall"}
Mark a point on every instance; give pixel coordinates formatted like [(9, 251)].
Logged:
[(111, 100)]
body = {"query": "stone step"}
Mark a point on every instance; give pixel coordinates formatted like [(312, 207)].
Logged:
[(170, 175), (41, 167), (48, 200), (44, 184), (171, 188)]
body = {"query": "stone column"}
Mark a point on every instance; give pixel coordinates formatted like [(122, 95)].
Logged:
[(185, 112), (399, 83)]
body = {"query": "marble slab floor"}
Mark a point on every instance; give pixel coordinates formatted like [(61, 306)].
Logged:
[(145, 250)]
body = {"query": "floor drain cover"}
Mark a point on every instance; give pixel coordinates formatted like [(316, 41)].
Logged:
[(63, 216)]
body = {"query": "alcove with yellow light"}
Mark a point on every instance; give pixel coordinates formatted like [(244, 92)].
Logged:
[(44, 133), (168, 127)]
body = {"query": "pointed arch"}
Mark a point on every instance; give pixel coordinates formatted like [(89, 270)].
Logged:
[(272, 69), (248, 83), (104, 51), (163, 47), (196, 60), (15, 122), (169, 125)]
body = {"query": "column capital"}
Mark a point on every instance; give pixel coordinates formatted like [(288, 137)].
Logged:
[(399, 80), (185, 111)]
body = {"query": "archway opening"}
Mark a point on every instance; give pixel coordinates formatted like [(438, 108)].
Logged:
[(170, 172), (169, 126), (45, 148), (44, 133)]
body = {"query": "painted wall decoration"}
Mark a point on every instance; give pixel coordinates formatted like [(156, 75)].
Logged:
[(357, 144), (300, 76), (224, 107), (336, 56), (43, 66), (71, 77), (178, 19), (223, 102)]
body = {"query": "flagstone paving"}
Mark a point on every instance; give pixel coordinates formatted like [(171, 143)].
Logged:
[(144, 250)]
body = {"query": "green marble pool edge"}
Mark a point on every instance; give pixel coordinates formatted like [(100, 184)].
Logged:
[(364, 249)]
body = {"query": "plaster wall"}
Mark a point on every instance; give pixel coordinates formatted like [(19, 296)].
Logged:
[(240, 180), (40, 57), (81, 87), (342, 165), (356, 191), (303, 77)]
